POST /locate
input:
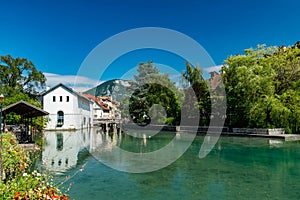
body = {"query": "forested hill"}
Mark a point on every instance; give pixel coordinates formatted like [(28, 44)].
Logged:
[(116, 88)]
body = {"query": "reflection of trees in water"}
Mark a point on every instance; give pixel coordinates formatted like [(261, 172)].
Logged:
[(145, 141)]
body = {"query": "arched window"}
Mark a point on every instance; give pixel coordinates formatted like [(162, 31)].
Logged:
[(60, 118)]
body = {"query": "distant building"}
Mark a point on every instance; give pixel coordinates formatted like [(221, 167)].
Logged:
[(104, 108), (107, 103), (215, 79), (67, 109)]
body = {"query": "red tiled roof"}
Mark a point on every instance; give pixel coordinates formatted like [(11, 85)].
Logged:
[(91, 97)]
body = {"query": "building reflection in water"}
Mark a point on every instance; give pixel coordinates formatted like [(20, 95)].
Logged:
[(61, 148)]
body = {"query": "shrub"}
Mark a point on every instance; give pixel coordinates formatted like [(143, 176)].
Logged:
[(19, 182)]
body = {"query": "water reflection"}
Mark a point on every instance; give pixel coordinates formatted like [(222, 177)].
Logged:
[(237, 168), (61, 148), (104, 140)]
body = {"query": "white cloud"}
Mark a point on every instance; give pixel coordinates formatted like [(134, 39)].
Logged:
[(216, 68), (78, 83)]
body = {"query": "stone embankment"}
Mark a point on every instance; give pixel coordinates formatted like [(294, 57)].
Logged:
[(278, 133)]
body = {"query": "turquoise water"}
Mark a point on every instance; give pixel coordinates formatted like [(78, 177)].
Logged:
[(236, 168)]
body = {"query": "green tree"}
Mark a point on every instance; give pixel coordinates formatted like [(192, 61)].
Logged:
[(20, 80), (192, 78), (151, 88), (262, 88), (19, 75)]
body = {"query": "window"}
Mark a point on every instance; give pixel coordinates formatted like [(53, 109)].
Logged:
[(60, 98), (54, 99), (59, 142), (68, 98), (60, 118)]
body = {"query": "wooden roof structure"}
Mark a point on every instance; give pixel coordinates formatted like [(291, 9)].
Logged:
[(24, 109)]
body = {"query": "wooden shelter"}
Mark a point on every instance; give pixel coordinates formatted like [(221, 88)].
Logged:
[(24, 109), (27, 111)]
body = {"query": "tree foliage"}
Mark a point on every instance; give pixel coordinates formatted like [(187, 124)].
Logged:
[(19, 75), (20, 80), (151, 88), (193, 79), (263, 88)]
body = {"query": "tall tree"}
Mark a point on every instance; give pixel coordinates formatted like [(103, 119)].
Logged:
[(19, 75), (262, 88), (193, 78), (20, 80), (153, 88)]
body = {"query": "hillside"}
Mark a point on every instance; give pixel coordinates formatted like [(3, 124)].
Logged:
[(116, 88)]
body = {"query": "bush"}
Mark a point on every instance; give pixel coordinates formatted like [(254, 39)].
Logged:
[(19, 182), (15, 159)]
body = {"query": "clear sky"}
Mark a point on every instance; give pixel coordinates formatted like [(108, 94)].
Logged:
[(57, 35)]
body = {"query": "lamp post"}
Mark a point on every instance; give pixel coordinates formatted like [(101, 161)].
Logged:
[(1, 170)]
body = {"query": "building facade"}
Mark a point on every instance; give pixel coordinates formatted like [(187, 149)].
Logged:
[(104, 108), (67, 109)]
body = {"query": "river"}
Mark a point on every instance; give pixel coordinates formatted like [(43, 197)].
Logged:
[(236, 168)]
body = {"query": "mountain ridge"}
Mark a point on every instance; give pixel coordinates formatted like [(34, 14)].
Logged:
[(116, 88)]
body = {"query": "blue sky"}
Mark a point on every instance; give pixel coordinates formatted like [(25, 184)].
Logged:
[(58, 35)]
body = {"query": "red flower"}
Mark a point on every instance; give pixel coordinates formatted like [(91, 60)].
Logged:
[(12, 141), (17, 195), (65, 197), (54, 197)]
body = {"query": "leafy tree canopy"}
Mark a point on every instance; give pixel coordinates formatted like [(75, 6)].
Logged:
[(19, 75), (193, 79), (151, 89), (263, 88), (20, 80)]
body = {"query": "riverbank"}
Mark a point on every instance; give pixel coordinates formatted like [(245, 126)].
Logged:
[(285, 137), (276, 133)]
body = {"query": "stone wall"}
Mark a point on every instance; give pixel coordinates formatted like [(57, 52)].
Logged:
[(264, 131)]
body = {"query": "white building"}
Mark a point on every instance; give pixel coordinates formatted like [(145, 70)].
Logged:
[(109, 107), (67, 109), (101, 111), (104, 108)]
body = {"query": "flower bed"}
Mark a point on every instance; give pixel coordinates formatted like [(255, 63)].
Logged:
[(19, 182)]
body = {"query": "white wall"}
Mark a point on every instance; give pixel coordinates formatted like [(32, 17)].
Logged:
[(85, 108), (74, 111)]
